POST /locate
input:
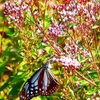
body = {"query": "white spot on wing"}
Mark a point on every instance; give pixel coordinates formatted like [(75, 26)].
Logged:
[(36, 88), (31, 92)]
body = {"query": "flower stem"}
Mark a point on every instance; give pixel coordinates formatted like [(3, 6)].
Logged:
[(85, 78), (45, 35)]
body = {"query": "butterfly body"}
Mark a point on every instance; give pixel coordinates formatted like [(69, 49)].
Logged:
[(42, 82)]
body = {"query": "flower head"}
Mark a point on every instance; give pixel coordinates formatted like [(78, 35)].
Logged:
[(82, 15), (55, 31), (15, 12)]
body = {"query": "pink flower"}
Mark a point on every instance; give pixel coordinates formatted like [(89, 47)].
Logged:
[(77, 84), (14, 11), (73, 12), (59, 6), (55, 31), (69, 63), (71, 48)]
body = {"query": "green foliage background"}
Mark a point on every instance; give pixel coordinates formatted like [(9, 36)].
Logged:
[(20, 57)]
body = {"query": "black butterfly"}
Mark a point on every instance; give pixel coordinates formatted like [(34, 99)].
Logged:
[(42, 82)]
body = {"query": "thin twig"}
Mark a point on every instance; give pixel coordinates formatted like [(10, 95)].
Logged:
[(86, 78)]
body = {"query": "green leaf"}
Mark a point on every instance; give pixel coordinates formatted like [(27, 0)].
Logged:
[(37, 98), (95, 26), (56, 71), (15, 88), (85, 68), (84, 60), (42, 4), (2, 98), (89, 92), (3, 65), (43, 98), (93, 74), (10, 33), (47, 21), (6, 84), (72, 92), (83, 82), (7, 51), (20, 42), (48, 49), (98, 35), (19, 77), (97, 52), (79, 57), (30, 19)]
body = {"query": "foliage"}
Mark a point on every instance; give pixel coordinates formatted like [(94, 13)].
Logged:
[(36, 31)]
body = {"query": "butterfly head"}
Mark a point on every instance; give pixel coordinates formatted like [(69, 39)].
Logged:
[(46, 66)]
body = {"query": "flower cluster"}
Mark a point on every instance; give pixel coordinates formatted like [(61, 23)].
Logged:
[(58, 7), (83, 17), (55, 31), (69, 63), (72, 49), (14, 11), (70, 58)]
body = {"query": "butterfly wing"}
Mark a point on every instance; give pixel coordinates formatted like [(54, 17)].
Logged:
[(30, 88), (42, 83), (47, 83)]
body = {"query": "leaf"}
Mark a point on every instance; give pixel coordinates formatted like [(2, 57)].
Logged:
[(43, 98), (72, 92), (97, 52), (79, 57), (15, 88), (83, 82), (98, 35), (6, 84), (3, 65), (56, 71), (93, 74), (37, 98), (20, 42), (42, 4), (85, 68), (47, 21), (95, 26), (30, 19), (48, 49), (2, 97), (19, 77), (84, 60), (7, 51), (89, 92), (10, 33)]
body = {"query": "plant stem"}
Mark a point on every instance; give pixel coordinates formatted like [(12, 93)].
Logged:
[(59, 52), (85, 78), (45, 35)]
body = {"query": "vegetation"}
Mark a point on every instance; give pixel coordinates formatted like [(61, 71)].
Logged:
[(67, 32)]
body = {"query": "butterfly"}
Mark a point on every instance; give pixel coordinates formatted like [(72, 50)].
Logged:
[(42, 82)]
